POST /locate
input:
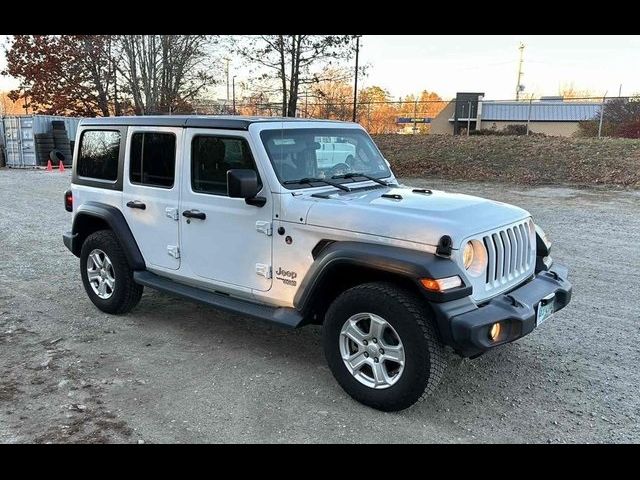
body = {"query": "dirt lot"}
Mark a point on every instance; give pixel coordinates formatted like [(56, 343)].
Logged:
[(530, 160), (173, 371)]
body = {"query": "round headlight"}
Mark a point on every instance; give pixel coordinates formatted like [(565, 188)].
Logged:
[(474, 258), (467, 255)]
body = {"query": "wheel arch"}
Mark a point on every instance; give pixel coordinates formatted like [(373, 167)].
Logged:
[(93, 216), (342, 265)]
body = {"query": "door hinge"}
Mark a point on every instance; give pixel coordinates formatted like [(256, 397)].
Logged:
[(264, 270), (172, 213), (264, 227), (173, 250)]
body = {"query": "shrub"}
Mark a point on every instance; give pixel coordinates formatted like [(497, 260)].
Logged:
[(621, 118), (629, 130), (513, 129)]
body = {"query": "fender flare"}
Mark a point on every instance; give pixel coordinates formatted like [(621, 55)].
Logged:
[(116, 222), (412, 264)]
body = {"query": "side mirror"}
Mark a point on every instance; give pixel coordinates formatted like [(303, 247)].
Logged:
[(242, 183)]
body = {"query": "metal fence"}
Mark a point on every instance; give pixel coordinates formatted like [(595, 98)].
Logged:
[(586, 116)]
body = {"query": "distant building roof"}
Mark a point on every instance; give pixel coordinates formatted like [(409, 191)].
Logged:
[(541, 111)]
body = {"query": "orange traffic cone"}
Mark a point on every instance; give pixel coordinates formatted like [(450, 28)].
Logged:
[(49, 167), (61, 166)]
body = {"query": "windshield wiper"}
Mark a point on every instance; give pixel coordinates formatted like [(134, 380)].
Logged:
[(364, 175), (313, 180)]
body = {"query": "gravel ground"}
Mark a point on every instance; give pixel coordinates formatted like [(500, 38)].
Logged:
[(174, 371)]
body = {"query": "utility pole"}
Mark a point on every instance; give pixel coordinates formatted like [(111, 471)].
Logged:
[(355, 82), (519, 86), (227, 73), (601, 115), (233, 80), (415, 115), (529, 114)]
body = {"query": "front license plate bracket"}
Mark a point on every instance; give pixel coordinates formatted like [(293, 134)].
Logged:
[(545, 308)]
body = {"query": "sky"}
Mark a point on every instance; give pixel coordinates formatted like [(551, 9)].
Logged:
[(408, 64)]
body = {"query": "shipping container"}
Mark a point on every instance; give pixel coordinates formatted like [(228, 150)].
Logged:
[(18, 136)]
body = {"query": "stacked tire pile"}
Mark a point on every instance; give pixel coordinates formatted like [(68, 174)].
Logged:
[(44, 145), (61, 140), (55, 140)]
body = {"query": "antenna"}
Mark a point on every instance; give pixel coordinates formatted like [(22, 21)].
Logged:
[(519, 86)]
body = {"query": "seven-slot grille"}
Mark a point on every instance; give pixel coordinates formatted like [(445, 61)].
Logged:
[(510, 254)]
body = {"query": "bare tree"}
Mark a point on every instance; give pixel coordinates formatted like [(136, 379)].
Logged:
[(164, 72), (294, 60), (97, 63)]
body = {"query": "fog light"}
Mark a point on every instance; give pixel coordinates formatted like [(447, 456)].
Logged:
[(494, 331)]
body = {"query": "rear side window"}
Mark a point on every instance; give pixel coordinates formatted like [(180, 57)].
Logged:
[(212, 156), (153, 159), (98, 155)]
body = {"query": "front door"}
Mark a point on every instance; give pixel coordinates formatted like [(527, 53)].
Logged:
[(224, 240), (151, 191)]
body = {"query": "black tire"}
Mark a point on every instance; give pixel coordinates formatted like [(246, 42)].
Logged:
[(425, 359), (56, 156), (126, 293)]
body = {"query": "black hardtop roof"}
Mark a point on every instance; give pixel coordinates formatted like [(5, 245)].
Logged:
[(231, 122)]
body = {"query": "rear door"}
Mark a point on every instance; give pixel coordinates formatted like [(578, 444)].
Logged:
[(151, 193)]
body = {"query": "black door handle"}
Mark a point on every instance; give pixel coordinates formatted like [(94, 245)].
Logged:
[(194, 214), (136, 204)]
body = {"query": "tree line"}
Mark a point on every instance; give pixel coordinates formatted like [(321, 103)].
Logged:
[(104, 75)]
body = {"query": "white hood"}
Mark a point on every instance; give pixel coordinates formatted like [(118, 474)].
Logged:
[(416, 217)]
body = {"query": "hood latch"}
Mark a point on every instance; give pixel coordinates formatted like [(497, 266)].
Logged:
[(445, 245)]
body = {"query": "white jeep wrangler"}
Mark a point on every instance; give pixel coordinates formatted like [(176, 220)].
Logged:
[(302, 221)]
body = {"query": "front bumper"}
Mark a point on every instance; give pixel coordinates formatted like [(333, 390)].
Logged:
[(465, 326)]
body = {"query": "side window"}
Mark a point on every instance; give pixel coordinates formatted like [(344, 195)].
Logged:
[(98, 155), (153, 159), (212, 156)]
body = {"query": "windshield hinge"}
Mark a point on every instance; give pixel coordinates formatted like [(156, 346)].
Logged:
[(264, 270)]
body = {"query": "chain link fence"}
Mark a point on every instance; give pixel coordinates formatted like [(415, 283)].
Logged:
[(585, 116)]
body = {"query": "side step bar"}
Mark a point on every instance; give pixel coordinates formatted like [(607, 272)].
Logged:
[(283, 316)]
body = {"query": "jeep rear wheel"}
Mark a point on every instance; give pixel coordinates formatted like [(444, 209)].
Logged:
[(106, 275), (381, 346)]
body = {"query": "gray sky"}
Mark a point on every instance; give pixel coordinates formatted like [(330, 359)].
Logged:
[(405, 64), (447, 64)]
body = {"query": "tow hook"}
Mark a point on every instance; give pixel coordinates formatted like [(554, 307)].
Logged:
[(513, 301)]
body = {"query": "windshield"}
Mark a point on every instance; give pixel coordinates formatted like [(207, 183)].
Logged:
[(322, 153)]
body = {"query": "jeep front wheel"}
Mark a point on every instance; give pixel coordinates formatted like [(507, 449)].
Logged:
[(381, 346), (106, 274)]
